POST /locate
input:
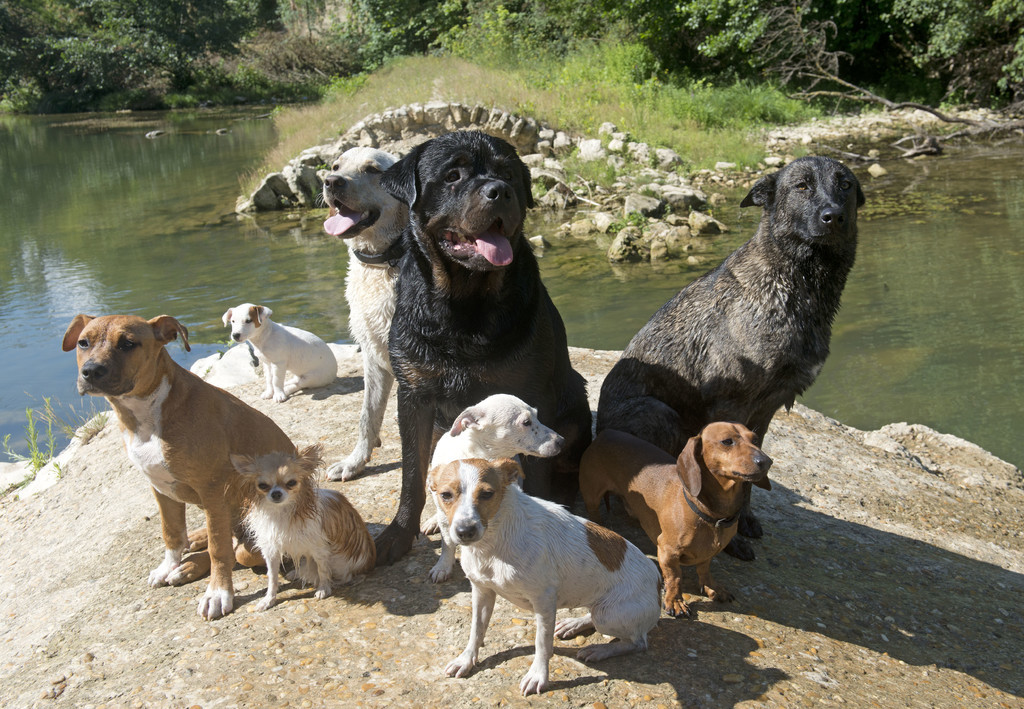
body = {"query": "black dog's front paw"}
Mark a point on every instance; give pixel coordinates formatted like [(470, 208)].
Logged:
[(741, 549), (749, 527), (393, 543)]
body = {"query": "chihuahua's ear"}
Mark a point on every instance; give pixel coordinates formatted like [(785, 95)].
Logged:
[(166, 328), (226, 317), (690, 463), (470, 418), (244, 464), (311, 458), (78, 324)]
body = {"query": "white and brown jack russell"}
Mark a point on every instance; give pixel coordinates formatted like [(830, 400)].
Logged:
[(180, 431), (541, 557)]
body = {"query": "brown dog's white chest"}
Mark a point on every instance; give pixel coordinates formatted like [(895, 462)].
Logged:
[(142, 439)]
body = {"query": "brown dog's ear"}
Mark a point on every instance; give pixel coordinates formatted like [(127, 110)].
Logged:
[(259, 313), (166, 328), (764, 483), (762, 193), (78, 324), (690, 464), (400, 179)]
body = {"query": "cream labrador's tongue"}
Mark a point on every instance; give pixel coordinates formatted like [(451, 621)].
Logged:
[(341, 222), (494, 247)]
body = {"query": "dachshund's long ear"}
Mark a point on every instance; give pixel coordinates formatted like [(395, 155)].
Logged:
[(166, 328), (690, 464), (400, 179), (74, 330), (762, 193)]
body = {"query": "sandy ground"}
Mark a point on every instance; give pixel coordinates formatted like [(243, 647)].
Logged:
[(890, 575)]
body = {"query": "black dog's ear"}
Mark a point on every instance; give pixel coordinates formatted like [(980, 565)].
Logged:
[(860, 196), (528, 182), (761, 193), (400, 179)]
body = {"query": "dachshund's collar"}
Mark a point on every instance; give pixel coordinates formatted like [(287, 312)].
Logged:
[(705, 516), (389, 257)]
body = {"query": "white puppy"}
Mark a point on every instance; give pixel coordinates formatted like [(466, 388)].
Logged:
[(541, 557), (282, 349), (371, 221), (500, 426)]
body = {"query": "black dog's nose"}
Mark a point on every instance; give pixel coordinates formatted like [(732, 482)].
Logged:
[(93, 371), (762, 461), (495, 190), (832, 216), (276, 495)]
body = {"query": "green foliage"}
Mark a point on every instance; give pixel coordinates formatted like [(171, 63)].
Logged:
[(41, 445)]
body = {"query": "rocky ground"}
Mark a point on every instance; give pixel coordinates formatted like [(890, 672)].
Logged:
[(890, 575)]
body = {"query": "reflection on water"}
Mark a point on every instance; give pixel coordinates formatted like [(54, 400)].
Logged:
[(99, 219)]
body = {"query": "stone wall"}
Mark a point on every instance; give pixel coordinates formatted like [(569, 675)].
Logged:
[(397, 130)]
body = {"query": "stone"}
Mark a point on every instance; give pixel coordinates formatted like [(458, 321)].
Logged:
[(876, 170), (639, 152), (616, 146), (539, 243), (547, 178), (773, 161), (561, 143), (602, 221), (667, 158), (643, 205), (533, 160), (304, 184), (684, 198), (704, 224), (582, 229), (607, 129), (629, 247), (591, 149), (558, 198), (659, 250)]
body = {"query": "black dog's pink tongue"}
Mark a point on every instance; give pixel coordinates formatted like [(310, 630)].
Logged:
[(494, 247), (341, 222)]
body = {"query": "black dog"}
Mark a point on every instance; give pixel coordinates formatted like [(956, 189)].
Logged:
[(747, 337), (472, 317)]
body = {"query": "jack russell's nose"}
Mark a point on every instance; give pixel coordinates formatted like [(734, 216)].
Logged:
[(467, 532), (236, 336)]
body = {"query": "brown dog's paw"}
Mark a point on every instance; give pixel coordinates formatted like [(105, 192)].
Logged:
[(198, 540), (192, 568), (392, 544), (677, 607), (741, 549), (719, 595)]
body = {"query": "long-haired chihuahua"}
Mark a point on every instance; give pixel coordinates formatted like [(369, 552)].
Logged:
[(290, 515)]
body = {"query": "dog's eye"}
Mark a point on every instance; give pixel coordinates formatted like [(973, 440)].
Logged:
[(453, 176), (527, 422), (83, 343), (446, 496), (845, 185), (372, 169), (248, 320), (291, 484), (485, 494), (334, 167), (126, 345), (727, 442), (263, 487), (802, 186)]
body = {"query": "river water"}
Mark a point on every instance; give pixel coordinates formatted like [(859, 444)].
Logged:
[(97, 218)]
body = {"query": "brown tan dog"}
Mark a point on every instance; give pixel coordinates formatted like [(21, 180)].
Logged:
[(688, 507), (181, 431)]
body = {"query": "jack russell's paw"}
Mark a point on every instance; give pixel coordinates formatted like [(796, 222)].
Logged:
[(267, 393), (534, 682), (266, 603), (280, 397), (461, 665), (430, 526), (442, 570), (216, 602)]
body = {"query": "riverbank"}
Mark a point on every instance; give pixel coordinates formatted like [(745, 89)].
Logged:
[(890, 574)]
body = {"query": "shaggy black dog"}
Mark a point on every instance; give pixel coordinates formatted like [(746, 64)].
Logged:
[(472, 317), (747, 337)]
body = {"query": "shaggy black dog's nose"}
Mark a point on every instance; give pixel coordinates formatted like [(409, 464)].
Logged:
[(832, 216), (495, 190), (93, 371)]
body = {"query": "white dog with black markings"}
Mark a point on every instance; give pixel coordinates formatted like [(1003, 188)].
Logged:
[(282, 350), (370, 220), (541, 557), (500, 426)]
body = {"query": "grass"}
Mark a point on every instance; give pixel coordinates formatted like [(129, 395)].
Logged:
[(41, 437), (595, 84)]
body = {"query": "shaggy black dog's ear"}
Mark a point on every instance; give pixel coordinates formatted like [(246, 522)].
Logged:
[(761, 193), (860, 196), (400, 179), (528, 182)]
